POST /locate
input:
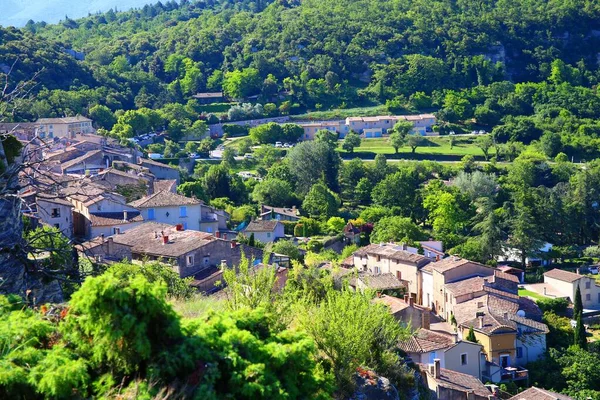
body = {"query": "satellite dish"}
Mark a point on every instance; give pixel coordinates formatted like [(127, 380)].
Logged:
[(521, 313)]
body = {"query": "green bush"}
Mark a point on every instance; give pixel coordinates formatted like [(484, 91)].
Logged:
[(557, 306)]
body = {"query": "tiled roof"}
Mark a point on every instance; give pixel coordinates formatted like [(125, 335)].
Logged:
[(290, 212), (562, 275), (78, 160), (488, 303), (425, 340), (534, 393), (391, 251), (451, 262), (115, 218), (262, 226), (493, 321), (63, 120), (168, 185), (396, 304), (535, 325), (459, 382), (147, 161), (379, 281), (142, 240), (348, 262), (54, 199), (500, 281), (164, 199)]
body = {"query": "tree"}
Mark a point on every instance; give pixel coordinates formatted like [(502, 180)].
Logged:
[(292, 132), (484, 142), (397, 140), (238, 84), (327, 137), (267, 133), (402, 127), (312, 161), (216, 182), (228, 157), (363, 190), (577, 304), (320, 202), (273, 192), (398, 190), (471, 335), (336, 224), (288, 248), (193, 189), (102, 116), (396, 229), (476, 184), (579, 337), (351, 141), (415, 141)]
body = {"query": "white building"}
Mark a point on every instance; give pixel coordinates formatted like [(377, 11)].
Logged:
[(56, 212), (265, 231)]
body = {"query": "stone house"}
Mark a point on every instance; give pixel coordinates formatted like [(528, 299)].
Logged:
[(560, 283), (189, 252), (395, 259), (268, 213), (104, 250), (534, 393), (160, 170), (426, 345), (56, 212), (265, 231), (445, 384), (406, 311), (91, 162)]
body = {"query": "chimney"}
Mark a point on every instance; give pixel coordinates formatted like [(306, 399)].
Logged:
[(437, 257), (454, 337), (218, 234), (544, 290), (411, 301), (155, 235), (224, 236), (404, 246), (233, 244), (505, 315), (485, 281), (102, 237), (470, 395), (109, 242), (438, 368), (223, 263), (165, 240), (124, 215), (480, 319), (425, 320), (577, 271), (431, 369)]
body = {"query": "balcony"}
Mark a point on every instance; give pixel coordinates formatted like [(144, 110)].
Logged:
[(496, 374)]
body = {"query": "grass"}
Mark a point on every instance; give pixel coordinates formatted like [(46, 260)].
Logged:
[(436, 145), (197, 306), (529, 293)]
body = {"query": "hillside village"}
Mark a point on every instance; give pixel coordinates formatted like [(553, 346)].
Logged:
[(471, 329)]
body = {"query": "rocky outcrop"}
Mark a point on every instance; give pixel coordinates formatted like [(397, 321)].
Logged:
[(17, 275), (369, 386)]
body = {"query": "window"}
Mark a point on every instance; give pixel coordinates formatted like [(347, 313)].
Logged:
[(432, 356), (587, 285), (151, 213), (182, 211), (57, 226), (268, 234), (588, 297), (519, 352), (378, 258), (377, 270), (56, 213), (99, 207), (209, 229), (205, 260), (505, 360), (116, 231), (399, 275), (463, 359), (190, 260)]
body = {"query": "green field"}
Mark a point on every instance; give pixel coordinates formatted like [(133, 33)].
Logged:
[(529, 293), (437, 147)]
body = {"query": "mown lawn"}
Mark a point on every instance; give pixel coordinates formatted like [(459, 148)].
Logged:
[(529, 293), (435, 146)]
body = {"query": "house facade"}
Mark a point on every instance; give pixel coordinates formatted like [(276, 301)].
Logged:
[(265, 231), (564, 284), (173, 209), (160, 170), (66, 127), (268, 213), (56, 212), (445, 384)]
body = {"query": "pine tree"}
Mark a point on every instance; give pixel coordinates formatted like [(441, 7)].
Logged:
[(471, 336), (577, 304), (251, 241), (579, 336)]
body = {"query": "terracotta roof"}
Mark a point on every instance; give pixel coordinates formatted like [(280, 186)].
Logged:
[(290, 212), (494, 321), (534, 393), (391, 251), (164, 199), (148, 161), (142, 240), (500, 281), (562, 275), (379, 281), (63, 120), (488, 303), (115, 218), (428, 268), (534, 325), (348, 262), (168, 185), (262, 226), (425, 340), (459, 382), (78, 160), (452, 262), (396, 304), (54, 199)]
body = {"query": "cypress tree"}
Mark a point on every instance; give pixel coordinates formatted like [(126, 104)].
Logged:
[(577, 304), (579, 337), (251, 241), (471, 336)]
